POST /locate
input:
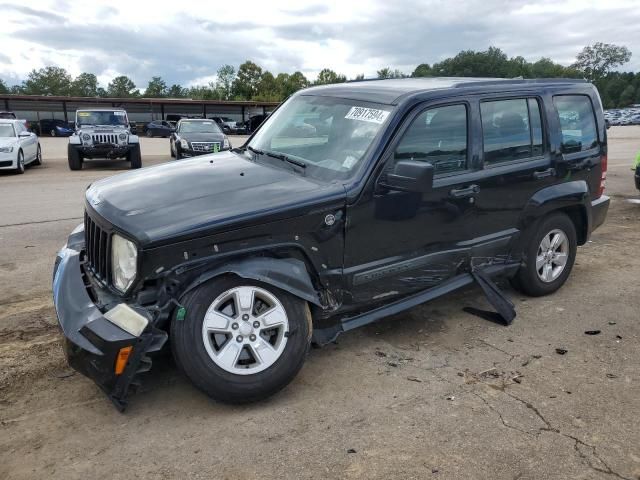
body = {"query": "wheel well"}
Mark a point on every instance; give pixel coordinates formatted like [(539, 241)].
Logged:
[(578, 216)]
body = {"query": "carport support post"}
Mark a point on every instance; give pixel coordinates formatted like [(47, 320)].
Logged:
[(64, 109), (6, 104), (204, 110), (242, 113), (264, 110), (162, 110)]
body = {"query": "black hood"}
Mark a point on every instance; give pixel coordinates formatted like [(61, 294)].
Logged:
[(203, 195), (202, 137)]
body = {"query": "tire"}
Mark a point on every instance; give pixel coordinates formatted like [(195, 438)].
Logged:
[(171, 146), (134, 157), (38, 160), (529, 278), (73, 156), (194, 351), (149, 134), (178, 152), (20, 163)]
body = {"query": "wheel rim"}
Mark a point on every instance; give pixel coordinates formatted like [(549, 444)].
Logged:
[(20, 161), (245, 330), (39, 155), (552, 255)]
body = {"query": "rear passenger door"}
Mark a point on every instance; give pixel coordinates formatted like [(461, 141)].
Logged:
[(516, 161)]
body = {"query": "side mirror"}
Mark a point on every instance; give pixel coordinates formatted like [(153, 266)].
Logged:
[(410, 176), (25, 134)]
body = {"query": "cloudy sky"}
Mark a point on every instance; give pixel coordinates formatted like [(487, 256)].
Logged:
[(186, 41)]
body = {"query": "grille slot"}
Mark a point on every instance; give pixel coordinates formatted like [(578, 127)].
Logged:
[(98, 244), (205, 146), (105, 138)]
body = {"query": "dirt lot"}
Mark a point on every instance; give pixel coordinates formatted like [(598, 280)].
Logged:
[(434, 393)]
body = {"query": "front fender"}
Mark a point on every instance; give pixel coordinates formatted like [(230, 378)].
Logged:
[(287, 274)]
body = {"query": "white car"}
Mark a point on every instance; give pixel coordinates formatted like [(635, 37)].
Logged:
[(18, 146)]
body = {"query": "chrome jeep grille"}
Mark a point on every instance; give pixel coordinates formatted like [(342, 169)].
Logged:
[(98, 244), (211, 147), (105, 138)]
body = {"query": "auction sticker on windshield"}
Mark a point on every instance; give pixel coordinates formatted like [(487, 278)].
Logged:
[(367, 114)]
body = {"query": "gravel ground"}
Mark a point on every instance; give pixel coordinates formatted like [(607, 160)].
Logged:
[(432, 393)]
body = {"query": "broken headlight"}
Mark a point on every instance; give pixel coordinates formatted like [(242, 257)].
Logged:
[(124, 260)]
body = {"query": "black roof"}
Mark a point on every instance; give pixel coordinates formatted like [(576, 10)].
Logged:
[(391, 90)]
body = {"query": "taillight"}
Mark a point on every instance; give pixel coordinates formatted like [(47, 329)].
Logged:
[(603, 176)]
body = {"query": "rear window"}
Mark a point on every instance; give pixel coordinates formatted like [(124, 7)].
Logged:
[(511, 130), (577, 122)]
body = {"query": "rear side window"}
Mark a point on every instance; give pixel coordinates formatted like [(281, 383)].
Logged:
[(437, 136), (511, 130), (577, 122)]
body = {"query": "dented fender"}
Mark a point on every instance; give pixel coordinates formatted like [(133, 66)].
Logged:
[(288, 274)]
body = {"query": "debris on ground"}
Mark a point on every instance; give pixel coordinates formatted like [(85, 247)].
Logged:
[(592, 332), (392, 364), (561, 351), (352, 450), (612, 375), (451, 397), (612, 323), (380, 354), (414, 379)]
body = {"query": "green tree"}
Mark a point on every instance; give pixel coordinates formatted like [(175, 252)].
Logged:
[(268, 88), (597, 60), (176, 91), (156, 88), (628, 96), (388, 73), (47, 81), (294, 82), (423, 70), (3, 87), (360, 76), (327, 76), (85, 85), (245, 85), (224, 81), (122, 87)]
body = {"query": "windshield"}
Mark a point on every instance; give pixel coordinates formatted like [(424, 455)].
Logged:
[(6, 130), (115, 118), (328, 135), (198, 127)]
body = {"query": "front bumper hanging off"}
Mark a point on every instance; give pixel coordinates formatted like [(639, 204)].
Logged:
[(92, 342)]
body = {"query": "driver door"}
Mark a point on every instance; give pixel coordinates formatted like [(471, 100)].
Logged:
[(399, 242)]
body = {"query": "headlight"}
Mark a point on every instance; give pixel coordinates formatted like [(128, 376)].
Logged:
[(184, 144), (124, 259), (123, 136), (86, 137), (225, 143), (6, 149)]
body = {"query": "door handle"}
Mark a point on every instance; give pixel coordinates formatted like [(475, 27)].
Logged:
[(539, 174), (469, 191)]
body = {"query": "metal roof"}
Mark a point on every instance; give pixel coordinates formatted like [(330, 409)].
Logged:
[(390, 90), (143, 100)]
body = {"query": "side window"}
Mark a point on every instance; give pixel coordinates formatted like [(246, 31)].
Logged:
[(511, 130), (577, 122), (438, 136)]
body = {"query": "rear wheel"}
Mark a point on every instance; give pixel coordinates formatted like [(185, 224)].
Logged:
[(20, 163), (135, 157), (171, 147), (149, 133), (53, 132), (73, 156), (549, 256), (241, 340)]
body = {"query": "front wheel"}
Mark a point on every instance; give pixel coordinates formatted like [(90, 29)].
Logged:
[(149, 134), (549, 256), (74, 159), (38, 160), (20, 163), (134, 157), (241, 340)]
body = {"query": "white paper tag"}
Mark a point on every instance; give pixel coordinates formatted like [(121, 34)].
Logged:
[(367, 114), (119, 114)]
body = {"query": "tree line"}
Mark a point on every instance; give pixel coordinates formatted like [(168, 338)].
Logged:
[(596, 63)]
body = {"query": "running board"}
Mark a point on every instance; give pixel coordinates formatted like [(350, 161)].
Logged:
[(328, 335)]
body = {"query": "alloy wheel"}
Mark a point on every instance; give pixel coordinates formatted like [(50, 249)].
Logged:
[(552, 255)]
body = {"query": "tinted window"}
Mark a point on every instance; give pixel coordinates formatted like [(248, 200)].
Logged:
[(577, 122), (438, 136), (508, 132)]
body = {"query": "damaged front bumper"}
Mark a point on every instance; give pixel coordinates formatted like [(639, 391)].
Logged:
[(93, 343)]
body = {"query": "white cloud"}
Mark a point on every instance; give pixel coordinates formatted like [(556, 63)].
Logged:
[(186, 42)]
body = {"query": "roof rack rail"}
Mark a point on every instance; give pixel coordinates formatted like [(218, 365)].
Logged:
[(517, 80)]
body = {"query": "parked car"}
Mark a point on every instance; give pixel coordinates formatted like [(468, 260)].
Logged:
[(103, 133), (18, 146), (229, 126), (254, 122), (158, 128), (194, 137), (245, 258), (54, 127), (7, 115)]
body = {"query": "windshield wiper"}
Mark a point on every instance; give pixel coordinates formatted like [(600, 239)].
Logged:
[(255, 150), (282, 156)]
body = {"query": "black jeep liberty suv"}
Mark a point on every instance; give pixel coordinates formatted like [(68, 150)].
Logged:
[(351, 202)]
